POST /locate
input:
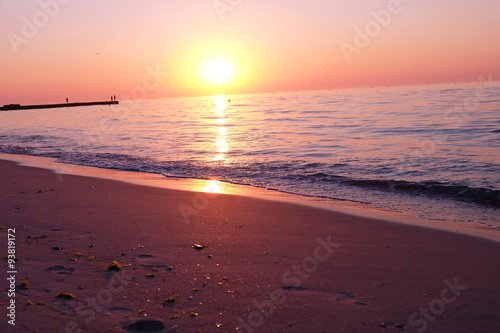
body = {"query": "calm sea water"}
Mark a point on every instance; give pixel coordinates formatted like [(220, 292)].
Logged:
[(431, 151)]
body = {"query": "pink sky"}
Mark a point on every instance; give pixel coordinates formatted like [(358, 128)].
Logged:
[(89, 50)]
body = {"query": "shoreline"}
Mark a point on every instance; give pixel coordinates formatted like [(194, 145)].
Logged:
[(198, 185), (262, 265)]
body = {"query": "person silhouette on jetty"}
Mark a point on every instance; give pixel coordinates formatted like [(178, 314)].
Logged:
[(66, 99)]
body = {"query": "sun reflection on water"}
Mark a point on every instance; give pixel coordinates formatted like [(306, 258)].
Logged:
[(221, 141), (220, 105)]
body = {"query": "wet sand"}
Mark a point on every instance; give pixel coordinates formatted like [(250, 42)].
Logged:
[(263, 266)]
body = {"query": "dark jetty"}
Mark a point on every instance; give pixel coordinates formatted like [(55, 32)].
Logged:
[(10, 107)]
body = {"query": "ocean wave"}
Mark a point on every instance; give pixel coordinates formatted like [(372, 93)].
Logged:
[(294, 177), (481, 196), (15, 150)]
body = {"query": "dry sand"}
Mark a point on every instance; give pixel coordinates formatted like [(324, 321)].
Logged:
[(264, 266)]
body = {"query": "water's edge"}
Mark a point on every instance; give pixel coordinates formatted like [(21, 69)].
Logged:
[(224, 188)]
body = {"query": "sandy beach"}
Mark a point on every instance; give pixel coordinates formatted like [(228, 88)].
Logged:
[(250, 166), (201, 262)]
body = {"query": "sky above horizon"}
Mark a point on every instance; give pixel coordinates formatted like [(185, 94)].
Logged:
[(90, 50)]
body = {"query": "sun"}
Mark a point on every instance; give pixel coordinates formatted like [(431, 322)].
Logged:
[(218, 71)]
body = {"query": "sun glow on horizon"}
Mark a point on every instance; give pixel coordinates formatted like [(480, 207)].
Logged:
[(184, 49), (218, 71)]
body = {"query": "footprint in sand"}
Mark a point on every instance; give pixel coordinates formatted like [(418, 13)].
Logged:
[(60, 269), (119, 308), (145, 256), (157, 267), (145, 325), (292, 288), (341, 297)]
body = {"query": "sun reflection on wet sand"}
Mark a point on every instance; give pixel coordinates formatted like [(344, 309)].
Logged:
[(213, 186)]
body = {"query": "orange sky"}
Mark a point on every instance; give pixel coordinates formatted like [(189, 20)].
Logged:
[(89, 50)]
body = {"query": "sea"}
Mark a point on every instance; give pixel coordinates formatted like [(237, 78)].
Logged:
[(430, 151)]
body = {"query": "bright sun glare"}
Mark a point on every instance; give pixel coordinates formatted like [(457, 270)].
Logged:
[(218, 71)]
